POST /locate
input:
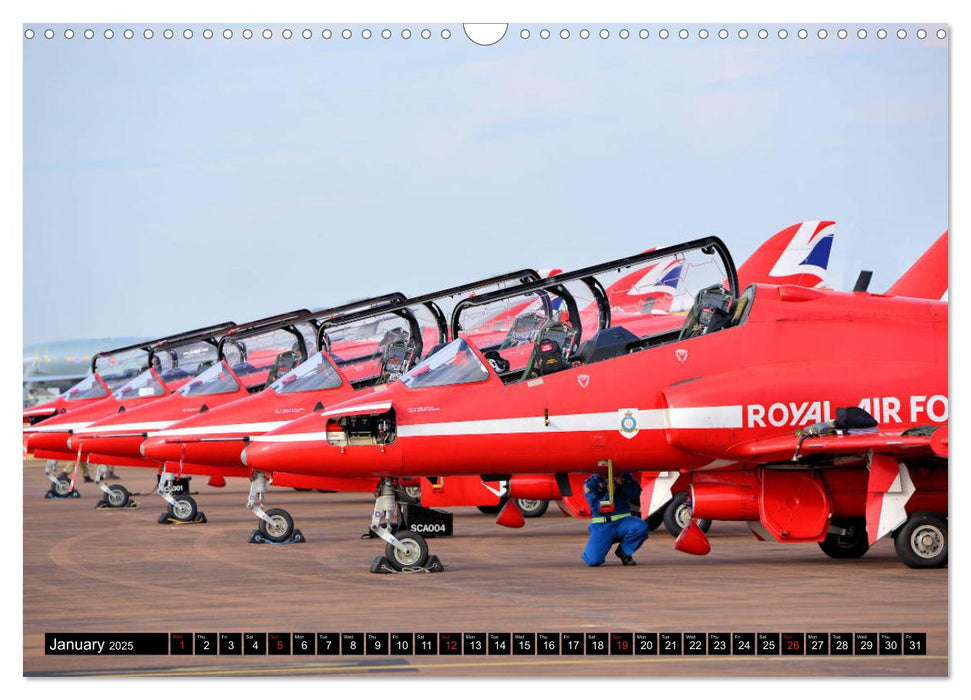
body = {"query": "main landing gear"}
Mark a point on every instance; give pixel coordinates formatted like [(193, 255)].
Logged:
[(921, 542), (847, 539), (116, 495), (677, 515), (406, 551), (276, 524), (62, 485), (182, 507)]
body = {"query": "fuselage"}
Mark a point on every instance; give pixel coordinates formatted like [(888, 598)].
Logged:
[(795, 357)]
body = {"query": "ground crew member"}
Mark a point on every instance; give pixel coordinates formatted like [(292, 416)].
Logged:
[(618, 526)]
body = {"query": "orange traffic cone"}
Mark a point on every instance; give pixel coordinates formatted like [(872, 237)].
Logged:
[(510, 515), (692, 540), (217, 481)]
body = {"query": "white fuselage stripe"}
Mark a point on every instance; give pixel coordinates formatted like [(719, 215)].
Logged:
[(247, 428), (358, 410), (130, 427), (291, 437), (700, 417), (61, 428)]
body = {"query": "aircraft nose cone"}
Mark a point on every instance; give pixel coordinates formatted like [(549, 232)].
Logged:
[(272, 456), (159, 448)]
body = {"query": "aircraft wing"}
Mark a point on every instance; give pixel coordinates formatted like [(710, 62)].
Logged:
[(783, 449), (889, 485)]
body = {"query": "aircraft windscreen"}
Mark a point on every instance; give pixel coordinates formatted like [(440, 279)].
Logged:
[(143, 386), (381, 348), (215, 380), (455, 363), (655, 296), (183, 361), (258, 358), (313, 375), (87, 388), (119, 368)]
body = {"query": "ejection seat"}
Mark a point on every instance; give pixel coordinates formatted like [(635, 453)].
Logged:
[(710, 312), (398, 357), (284, 362), (548, 352)]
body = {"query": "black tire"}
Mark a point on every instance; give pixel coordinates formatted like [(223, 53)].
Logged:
[(853, 545), (410, 494), (184, 510), (921, 542), (677, 516), (532, 508), (494, 510), (117, 496), (655, 519), (63, 486), (282, 528), (416, 555)]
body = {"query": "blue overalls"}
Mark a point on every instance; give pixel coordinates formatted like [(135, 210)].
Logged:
[(629, 529)]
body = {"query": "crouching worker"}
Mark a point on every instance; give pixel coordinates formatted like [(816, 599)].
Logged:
[(616, 526)]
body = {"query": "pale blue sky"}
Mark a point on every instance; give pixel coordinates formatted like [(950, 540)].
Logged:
[(169, 184)]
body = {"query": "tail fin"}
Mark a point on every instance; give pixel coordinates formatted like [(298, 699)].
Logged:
[(926, 278), (798, 254)]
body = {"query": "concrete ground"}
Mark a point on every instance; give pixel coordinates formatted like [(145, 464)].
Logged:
[(119, 571)]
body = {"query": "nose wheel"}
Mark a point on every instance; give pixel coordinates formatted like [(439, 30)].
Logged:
[(405, 551), (278, 527), (61, 486), (276, 524), (182, 508), (116, 495)]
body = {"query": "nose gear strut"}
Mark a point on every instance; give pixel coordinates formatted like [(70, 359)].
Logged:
[(62, 486), (116, 496), (182, 507), (406, 551), (276, 524)]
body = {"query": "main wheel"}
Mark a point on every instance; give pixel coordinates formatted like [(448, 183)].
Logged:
[(62, 487), (531, 507), (921, 542), (185, 509), (493, 510), (117, 496), (853, 545), (677, 515), (411, 494), (415, 554), (280, 529)]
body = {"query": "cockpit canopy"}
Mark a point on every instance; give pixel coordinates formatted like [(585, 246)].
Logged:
[(144, 385), (456, 363), (87, 388), (215, 380), (313, 375)]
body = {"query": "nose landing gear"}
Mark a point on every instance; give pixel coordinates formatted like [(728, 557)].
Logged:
[(115, 496), (182, 507), (405, 551), (276, 524), (62, 486)]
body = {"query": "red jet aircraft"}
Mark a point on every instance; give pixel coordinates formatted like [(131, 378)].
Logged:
[(245, 359), (729, 387), (798, 254), (164, 365), (409, 329)]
